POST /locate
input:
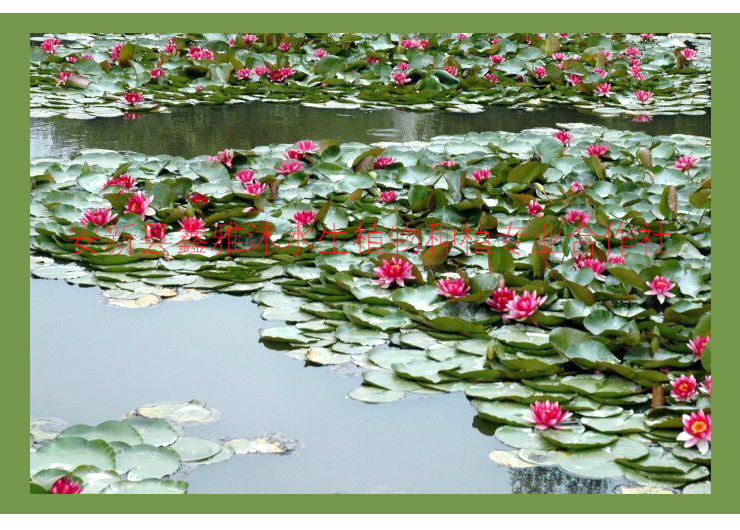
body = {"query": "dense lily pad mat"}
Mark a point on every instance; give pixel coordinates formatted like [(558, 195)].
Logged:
[(90, 75), (146, 452), (605, 338)]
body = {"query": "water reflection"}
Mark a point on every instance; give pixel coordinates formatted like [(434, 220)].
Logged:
[(206, 129), (554, 480)]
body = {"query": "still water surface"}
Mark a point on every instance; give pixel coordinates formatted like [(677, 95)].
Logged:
[(202, 130), (92, 362)]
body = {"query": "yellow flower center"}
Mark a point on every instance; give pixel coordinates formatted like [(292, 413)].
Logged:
[(698, 427)]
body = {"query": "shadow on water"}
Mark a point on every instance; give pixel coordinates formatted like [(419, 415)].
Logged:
[(201, 130), (126, 358)]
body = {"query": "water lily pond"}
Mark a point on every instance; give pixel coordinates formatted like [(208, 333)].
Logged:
[(290, 298)]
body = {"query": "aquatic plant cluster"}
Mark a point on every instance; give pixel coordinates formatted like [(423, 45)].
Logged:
[(145, 453), (90, 75), (598, 363)]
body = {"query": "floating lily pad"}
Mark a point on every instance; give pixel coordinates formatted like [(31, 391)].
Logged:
[(372, 394), (191, 412), (147, 461), (148, 486)]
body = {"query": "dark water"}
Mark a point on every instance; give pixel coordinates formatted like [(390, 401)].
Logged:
[(201, 130), (208, 350)]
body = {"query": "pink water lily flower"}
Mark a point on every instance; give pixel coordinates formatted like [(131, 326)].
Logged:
[(115, 51), (535, 208), (285, 46), (481, 174), (250, 38), (559, 56), (170, 47), (453, 287), (617, 259), (576, 187), (632, 52), (50, 45), (564, 136), (383, 162), (500, 297), (199, 199), (498, 59), (304, 218), (196, 53), (697, 431), (403, 66), (660, 287), (420, 44), (97, 217), (524, 305), (243, 73), (302, 148), (597, 149), (452, 70), (698, 344), (72, 59), (540, 71), (66, 485), (254, 188), (278, 75), (603, 89), (591, 263), (293, 154), (706, 386), (62, 77), (636, 73), (574, 79), (393, 270), (319, 52), (643, 96), (306, 146), (156, 73), (245, 175), (493, 78), (684, 388), (133, 98), (387, 197), (261, 70), (155, 232), (685, 162), (372, 60), (192, 226), (647, 36), (225, 157), (122, 181), (577, 217), (688, 54), (447, 164), (400, 78), (138, 204), (602, 73), (547, 415), (290, 166)]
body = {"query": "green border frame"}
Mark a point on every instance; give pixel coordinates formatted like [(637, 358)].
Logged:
[(14, 496)]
